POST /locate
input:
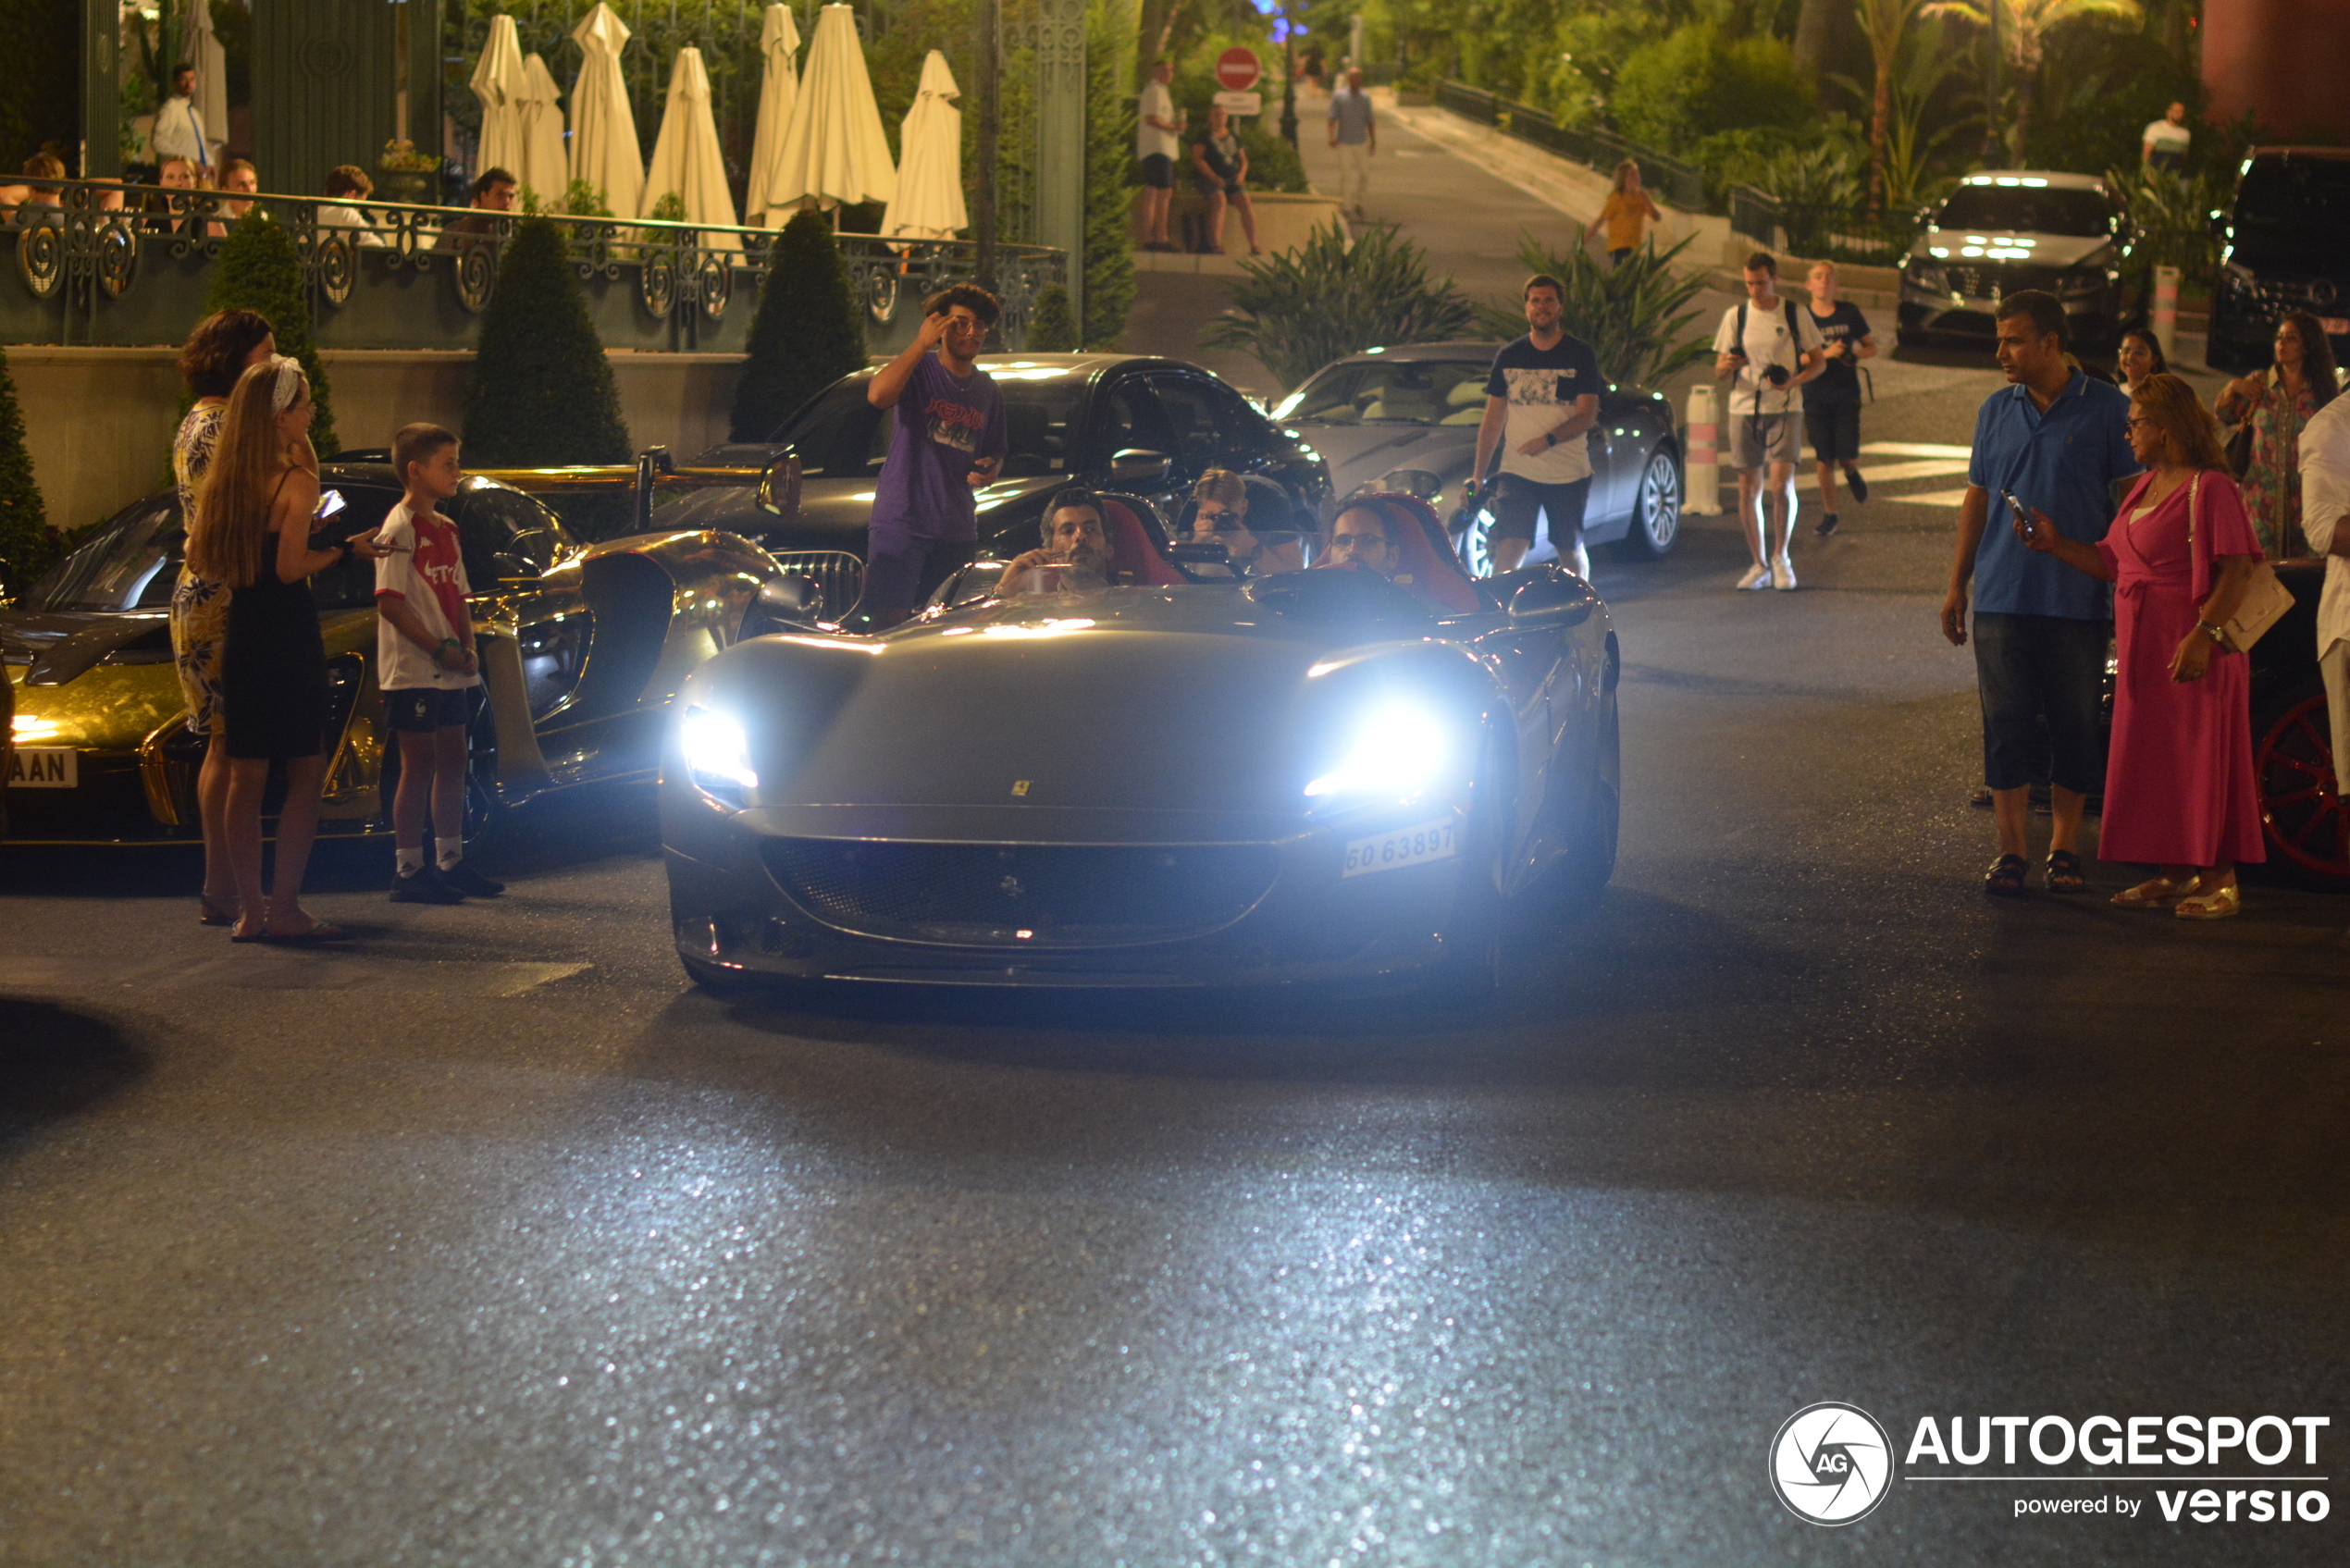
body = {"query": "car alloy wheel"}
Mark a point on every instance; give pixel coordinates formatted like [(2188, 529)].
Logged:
[(2301, 810), (1656, 509)]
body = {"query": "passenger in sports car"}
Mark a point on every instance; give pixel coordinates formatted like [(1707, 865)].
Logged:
[(1364, 538), (1220, 500), (1075, 556)]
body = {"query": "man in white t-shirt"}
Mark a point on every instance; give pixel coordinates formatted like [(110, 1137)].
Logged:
[(2164, 142), (1766, 348), (2325, 507), (1157, 140)]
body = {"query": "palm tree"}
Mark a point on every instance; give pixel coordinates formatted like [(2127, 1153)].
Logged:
[(1885, 23), (2024, 26)]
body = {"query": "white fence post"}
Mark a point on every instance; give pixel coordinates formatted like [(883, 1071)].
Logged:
[(1703, 462)]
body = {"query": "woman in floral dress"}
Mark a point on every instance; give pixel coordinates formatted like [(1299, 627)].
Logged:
[(218, 353), (2278, 402)]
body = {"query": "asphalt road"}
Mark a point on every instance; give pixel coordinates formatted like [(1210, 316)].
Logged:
[(491, 1242)]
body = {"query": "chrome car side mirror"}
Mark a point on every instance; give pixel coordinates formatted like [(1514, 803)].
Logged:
[(792, 597), (779, 487), (1553, 599), (1135, 465)]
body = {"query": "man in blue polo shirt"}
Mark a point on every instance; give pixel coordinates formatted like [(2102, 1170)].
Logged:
[(2055, 440)]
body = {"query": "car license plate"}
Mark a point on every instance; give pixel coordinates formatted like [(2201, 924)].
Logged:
[(1413, 846), (44, 767), (2336, 326)]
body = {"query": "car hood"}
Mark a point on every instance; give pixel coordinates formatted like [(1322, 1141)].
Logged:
[(2046, 249), (1130, 700), (1358, 453)]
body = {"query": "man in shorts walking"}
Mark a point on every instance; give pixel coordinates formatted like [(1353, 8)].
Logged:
[(1765, 348), (1354, 133), (1157, 141), (1832, 399), (1542, 399)]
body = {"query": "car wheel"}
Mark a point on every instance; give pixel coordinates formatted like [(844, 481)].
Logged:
[(1656, 510), (484, 813), (2301, 810), (1591, 859)]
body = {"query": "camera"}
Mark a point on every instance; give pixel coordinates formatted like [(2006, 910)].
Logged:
[(1777, 375)]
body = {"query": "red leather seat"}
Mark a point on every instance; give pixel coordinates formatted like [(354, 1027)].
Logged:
[(1425, 563), (1133, 556)]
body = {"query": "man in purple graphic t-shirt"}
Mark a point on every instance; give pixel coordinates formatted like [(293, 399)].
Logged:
[(950, 439)]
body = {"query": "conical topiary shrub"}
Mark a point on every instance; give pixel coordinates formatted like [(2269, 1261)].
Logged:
[(542, 393), (259, 271), (809, 332), (26, 545), (1109, 200)]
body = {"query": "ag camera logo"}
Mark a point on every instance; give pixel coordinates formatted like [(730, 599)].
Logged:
[(1831, 1464)]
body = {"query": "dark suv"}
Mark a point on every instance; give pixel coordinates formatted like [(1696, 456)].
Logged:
[(2287, 239)]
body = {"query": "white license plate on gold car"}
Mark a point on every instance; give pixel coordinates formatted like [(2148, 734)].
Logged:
[(1414, 846), (44, 767)]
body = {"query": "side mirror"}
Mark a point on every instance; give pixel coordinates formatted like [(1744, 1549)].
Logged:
[(779, 487), (1135, 465), (1556, 598), (792, 597), (652, 463), (972, 584)]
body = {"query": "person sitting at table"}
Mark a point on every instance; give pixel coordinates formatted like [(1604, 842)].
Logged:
[(493, 193), (237, 177), (349, 180), (41, 166)]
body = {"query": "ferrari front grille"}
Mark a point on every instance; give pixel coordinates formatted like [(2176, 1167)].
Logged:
[(1020, 896)]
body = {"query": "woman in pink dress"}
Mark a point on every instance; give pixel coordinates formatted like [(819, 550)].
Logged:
[(2179, 786)]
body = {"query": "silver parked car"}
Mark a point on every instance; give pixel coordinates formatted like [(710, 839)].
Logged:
[(1405, 420)]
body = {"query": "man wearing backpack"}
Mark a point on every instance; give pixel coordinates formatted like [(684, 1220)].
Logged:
[(1766, 348)]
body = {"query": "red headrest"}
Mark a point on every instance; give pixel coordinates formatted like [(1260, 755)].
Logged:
[(1425, 563), (1131, 551)]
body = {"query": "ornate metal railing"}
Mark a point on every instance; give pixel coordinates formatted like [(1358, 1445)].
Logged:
[(1815, 232), (102, 263)]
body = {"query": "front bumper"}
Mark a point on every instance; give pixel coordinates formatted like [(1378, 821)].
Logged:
[(730, 912), (2091, 317)]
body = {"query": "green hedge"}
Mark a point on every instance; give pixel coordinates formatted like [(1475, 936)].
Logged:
[(259, 271), (542, 393), (808, 334)]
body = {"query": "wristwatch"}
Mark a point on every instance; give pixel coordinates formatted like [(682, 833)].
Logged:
[(2207, 629)]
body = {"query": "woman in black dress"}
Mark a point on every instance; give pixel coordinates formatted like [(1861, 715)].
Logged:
[(252, 534)]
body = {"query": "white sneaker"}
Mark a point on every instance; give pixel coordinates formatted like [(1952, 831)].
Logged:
[(1756, 577), (1783, 574)]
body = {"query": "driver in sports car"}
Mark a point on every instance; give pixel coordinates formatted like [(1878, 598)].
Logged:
[(1075, 556), (1363, 539)]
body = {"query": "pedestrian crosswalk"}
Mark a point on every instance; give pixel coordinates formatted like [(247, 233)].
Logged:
[(1927, 460)]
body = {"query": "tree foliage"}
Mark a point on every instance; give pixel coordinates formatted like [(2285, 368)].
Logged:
[(1109, 200), (259, 271), (808, 334), (26, 544), (542, 392), (1299, 311), (1052, 329), (1699, 80), (40, 96), (1631, 314)]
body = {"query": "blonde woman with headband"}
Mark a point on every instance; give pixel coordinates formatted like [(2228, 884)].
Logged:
[(252, 535)]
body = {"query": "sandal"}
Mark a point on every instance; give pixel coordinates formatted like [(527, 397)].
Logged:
[(2219, 904), (2153, 891), (211, 914), (2064, 872), (320, 932), (2005, 878)]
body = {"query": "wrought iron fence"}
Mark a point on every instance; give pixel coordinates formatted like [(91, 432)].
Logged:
[(1816, 232), (104, 263), (1678, 184)]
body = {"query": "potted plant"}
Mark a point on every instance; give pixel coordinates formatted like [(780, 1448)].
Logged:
[(402, 174)]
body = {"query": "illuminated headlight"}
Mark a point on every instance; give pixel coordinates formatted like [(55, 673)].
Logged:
[(1395, 752), (717, 757)]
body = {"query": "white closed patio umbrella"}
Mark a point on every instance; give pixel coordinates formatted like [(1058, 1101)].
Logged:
[(835, 152), (202, 50), (686, 157), (603, 128), (498, 83), (778, 91), (546, 167), (929, 204)]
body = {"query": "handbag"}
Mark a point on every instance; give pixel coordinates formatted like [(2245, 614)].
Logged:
[(2266, 599)]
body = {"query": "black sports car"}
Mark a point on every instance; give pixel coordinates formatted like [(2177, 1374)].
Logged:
[(1405, 420), (2286, 236), (1197, 775), (1117, 421)]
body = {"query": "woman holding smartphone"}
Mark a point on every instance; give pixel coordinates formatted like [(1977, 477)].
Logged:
[(2179, 786)]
